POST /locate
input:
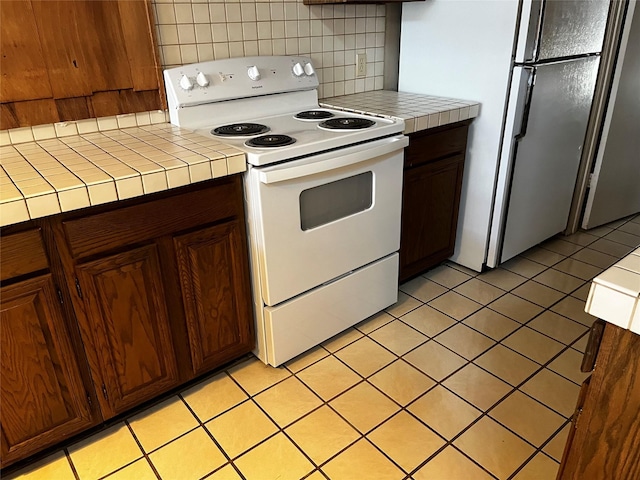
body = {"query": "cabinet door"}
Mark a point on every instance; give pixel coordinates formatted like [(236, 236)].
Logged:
[(431, 195), (43, 399), (217, 297), (126, 328)]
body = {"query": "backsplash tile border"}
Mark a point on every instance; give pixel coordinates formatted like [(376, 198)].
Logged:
[(16, 136)]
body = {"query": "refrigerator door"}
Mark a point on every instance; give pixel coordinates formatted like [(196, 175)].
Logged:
[(563, 28), (547, 153)]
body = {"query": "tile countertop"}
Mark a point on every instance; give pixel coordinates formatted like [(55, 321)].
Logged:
[(419, 112), (615, 294), (45, 177)]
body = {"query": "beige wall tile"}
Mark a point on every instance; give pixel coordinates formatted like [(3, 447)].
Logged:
[(281, 28)]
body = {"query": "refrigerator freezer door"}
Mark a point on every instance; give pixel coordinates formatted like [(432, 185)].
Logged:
[(547, 156), (563, 28)]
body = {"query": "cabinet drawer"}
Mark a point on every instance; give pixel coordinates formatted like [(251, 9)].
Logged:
[(152, 219), (22, 253), (434, 144)]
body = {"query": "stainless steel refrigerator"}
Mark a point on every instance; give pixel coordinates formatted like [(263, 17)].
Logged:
[(533, 66)]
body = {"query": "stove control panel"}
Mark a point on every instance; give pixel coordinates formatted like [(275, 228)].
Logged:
[(242, 77)]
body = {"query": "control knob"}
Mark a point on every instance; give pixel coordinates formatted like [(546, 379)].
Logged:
[(298, 70), (308, 69), (202, 79), (254, 73), (186, 83)]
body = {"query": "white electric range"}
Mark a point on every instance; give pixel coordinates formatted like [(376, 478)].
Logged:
[(323, 194)]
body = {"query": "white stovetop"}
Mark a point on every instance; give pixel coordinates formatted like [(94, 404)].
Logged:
[(615, 294), (310, 137)]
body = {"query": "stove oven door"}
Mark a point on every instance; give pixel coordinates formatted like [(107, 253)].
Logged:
[(317, 219)]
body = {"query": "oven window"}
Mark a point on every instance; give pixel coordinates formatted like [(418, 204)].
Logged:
[(332, 201)]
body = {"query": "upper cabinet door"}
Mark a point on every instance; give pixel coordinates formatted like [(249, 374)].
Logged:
[(68, 60), (43, 399), (126, 328)]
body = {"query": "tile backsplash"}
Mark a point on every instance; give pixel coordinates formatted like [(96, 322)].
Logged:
[(191, 31)]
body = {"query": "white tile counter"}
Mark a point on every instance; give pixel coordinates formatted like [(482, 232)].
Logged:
[(615, 294), (41, 177), (419, 112)]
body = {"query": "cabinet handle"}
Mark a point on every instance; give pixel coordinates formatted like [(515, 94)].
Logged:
[(78, 289)]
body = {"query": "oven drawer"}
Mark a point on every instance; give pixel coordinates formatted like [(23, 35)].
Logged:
[(305, 321), (320, 218)]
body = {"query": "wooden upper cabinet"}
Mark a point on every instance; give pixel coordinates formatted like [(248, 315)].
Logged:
[(68, 60), (43, 399), (126, 328)]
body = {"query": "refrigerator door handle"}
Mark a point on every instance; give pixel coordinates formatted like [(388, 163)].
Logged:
[(531, 81)]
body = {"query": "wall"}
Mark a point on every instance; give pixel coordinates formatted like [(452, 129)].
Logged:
[(198, 30)]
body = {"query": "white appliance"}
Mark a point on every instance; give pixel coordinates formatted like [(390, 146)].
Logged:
[(323, 194), (533, 67)]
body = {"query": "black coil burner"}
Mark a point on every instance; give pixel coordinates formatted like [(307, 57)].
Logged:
[(270, 141), (344, 123), (240, 130), (314, 115)]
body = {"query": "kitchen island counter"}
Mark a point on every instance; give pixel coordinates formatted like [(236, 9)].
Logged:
[(615, 294), (49, 169), (419, 112)]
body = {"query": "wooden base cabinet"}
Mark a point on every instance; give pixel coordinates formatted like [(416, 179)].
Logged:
[(605, 440), (128, 324), (434, 164), (215, 286), (43, 399), (156, 292)]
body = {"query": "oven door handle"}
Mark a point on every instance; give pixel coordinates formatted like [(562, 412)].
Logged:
[(331, 161)]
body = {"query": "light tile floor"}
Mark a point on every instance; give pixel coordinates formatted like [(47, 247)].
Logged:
[(468, 376)]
